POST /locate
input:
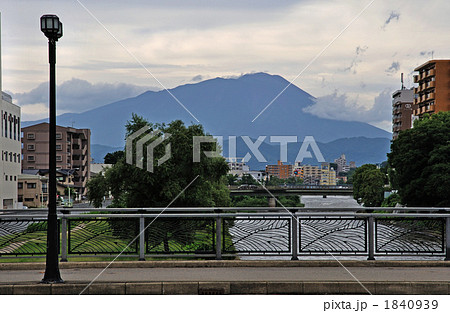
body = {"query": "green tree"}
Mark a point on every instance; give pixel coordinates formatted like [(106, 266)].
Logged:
[(420, 164), (97, 188), (133, 187), (368, 182), (114, 157), (248, 179), (391, 201)]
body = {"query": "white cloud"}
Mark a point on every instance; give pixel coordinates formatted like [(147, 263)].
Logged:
[(340, 106)]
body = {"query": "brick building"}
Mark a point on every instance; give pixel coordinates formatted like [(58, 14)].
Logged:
[(72, 151), (280, 170), (433, 90)]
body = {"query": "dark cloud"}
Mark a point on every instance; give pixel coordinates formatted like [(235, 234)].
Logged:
[(78, 95), (427, 53), (197, 78), (359, 51), (339, 107), (393, 16), (394, 68)]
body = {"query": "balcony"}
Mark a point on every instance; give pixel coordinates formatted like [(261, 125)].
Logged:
[(430, 96), (416, 90), (430, 108), (431, 73), (416, 79), (416, 100)]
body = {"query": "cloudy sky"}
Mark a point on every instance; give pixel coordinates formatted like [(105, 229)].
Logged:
[(107, 44)]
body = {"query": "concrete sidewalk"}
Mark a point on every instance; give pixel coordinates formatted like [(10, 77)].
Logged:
[(232, 277)]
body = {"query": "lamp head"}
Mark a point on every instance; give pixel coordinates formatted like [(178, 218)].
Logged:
[(51, 26)]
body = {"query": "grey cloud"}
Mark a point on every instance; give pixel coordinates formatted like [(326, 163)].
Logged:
[(394, 68), (393, 16), (197, 78), (427, 53), (78, 95), (339, 107), (359, 51)]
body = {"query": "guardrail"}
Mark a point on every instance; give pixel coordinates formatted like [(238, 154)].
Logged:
[(230, 232)]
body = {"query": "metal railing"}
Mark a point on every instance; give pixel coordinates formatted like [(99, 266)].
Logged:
[(230, 232)]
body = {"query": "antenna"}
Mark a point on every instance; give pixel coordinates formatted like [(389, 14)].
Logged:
[(403, 86)]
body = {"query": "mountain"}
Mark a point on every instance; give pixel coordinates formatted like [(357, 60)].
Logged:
[(224, 107), (362, 150)]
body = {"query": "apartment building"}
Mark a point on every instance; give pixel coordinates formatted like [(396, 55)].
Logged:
[(432, 95), (311, 174), (327, 175), (237, 166), (72, 151), (10, 149), (402, 110), (279, 170)]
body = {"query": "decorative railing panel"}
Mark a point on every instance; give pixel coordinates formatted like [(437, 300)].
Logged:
[(338, 235), (409, 235), (180, 235), (257, 235), (102, 235), (23, 237)]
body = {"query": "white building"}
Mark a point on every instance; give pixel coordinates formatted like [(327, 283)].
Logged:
[(10, 147)]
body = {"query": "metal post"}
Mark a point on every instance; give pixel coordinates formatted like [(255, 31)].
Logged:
[(52, 274), (294, 244), (141, 238), (218, 238), (447, 239), (371, 233), (64, 238)]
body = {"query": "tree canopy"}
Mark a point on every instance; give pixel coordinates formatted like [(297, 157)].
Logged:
[(134, 187), (368, 182), (420, 161)]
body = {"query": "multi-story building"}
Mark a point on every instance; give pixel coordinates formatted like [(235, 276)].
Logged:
[(432, 93), (72, 151), (311, 174), (10, 150), (327, 175), (237, 166), (402, 110), (279, 170), (32, 190)]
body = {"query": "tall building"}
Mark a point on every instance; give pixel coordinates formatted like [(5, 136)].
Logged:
[(327, 175), (432, 93), (9, 147), (402, 110), (311, 174), (73, 150), (279, 170)]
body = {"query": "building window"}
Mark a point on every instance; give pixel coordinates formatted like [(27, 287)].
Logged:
[(20, 185), (20, 198), (59, 147), (30, 158), (31, 167), (58, 136), (31, 186), (31, 136), (29, 199), (58, 158), (30, 147)]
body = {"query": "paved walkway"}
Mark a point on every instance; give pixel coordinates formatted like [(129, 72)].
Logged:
[(235, 277)]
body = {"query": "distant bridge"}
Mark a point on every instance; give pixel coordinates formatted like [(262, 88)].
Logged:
[(291, 191)]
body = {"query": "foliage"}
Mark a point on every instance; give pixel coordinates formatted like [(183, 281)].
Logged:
[(420, 162), (391, 201), (275, 181), (249, 201), (97, 188), (232, 179), (368, 182), (179, 181), (114, 157), (248, 180)]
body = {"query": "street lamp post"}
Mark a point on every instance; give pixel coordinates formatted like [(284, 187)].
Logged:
[(52, 29)]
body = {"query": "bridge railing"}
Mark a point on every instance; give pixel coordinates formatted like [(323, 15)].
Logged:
[(230, 232)]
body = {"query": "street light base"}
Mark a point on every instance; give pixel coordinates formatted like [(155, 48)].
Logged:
[(52, 281)]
